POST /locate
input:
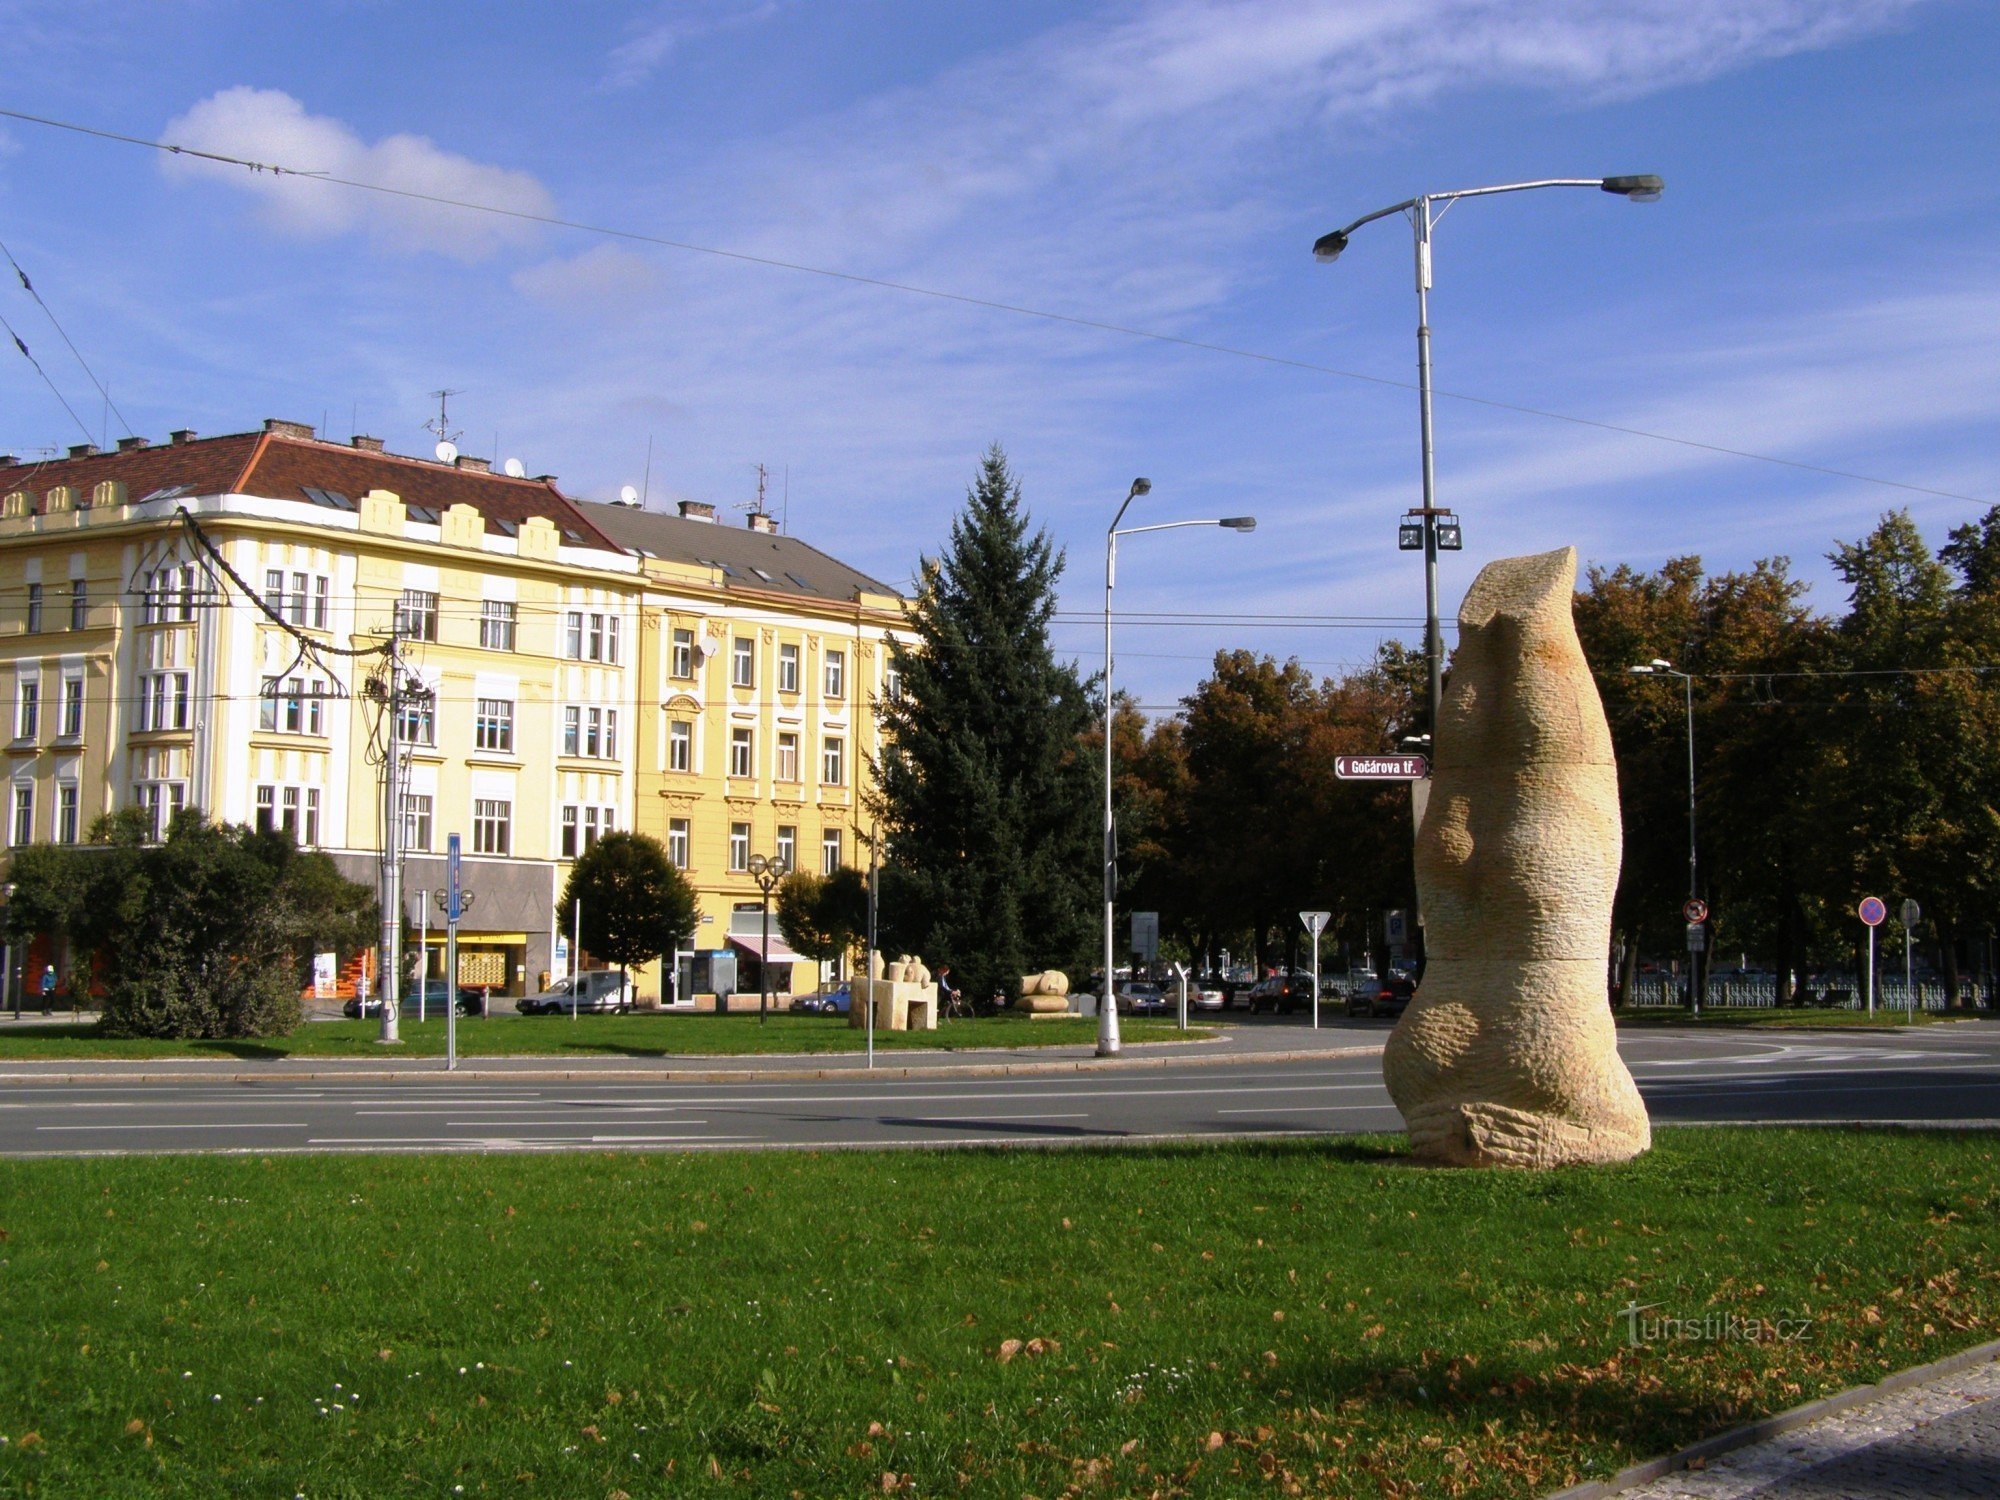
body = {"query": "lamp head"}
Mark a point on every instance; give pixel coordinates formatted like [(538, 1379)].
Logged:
[(1661, 664), (757, 863), (1327, 247), (1140, 487), (1639, 671), (1238, 523), (1643, 188)]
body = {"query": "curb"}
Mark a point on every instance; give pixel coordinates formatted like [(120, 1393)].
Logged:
[(1783, 1422), (362, 1072)]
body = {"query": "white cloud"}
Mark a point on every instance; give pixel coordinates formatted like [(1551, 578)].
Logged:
[(266, 125), (653, 42)]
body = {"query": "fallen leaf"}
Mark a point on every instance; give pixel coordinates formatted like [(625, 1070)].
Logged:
[(1008, 1349), (1215, 1440)]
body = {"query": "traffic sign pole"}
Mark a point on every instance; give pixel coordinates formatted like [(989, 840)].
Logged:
[(1871, 911), (1911, 915), (1315, 924), (454, 902)]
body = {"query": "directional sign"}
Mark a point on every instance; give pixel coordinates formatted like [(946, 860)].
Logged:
[(1381, 767), (454, 902), (1695, 911), (1873, 911), (1315, 921), (1911, 913)]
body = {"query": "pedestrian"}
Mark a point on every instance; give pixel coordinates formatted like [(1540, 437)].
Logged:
[(947, 996), (49, 988)]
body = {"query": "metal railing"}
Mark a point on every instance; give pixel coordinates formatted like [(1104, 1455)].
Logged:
[(1657, 991)]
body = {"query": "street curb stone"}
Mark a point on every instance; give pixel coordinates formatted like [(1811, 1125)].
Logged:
[(1776, 1426)]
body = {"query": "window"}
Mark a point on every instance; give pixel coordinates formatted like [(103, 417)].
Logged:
[(788, 669), (739, 846), (183, 611), (72, 709), (289, 821), (66, 813), (417, 615), (493, 725), (34, 608), (416, 722), (681, 664), (788, 846), (788, 756), (23, 830), (492, 826), (569, 832), (892, 682), (680, 745), (833, 761), (836, 674), (28, 710), (677, 843), (167, 595), (290, 707), (496, 624), (573, 635), (829, 851), (590, 635), (739, 752), (322, 586), (79, 604), (593, 729), (310, 835), (417, 820), (295, 606), (611, 734), (743, 662), (583, 826), (267, 802), (160, 800), (274, 591)]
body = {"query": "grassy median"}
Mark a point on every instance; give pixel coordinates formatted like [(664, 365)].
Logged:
[(638, 1035), (1252, 1319)]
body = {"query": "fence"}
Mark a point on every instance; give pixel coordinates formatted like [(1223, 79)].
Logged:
[(1659, 990)]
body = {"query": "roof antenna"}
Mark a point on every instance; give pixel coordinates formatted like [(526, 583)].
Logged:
[(785, 522), (646, 492), (447, 435), (756, 507)]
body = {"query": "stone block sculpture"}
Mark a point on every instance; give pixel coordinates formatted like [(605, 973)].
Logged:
[(1044, 994), (902, 992), (1507, 1055)]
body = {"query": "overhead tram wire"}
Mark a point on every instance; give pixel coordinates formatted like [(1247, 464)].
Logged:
[(22, 345), (1072, 320), (29, 287)]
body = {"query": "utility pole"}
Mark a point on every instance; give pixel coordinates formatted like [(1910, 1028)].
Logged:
[(391, 893)]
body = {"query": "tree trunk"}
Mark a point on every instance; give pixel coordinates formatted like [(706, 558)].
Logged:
[(1954, 996)]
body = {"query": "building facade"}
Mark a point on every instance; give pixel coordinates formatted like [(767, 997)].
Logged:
[(199, 623)]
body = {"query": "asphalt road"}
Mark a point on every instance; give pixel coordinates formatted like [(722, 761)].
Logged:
[(1949, 1074)]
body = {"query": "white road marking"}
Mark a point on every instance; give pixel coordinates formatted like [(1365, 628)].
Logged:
[(194, 1125)]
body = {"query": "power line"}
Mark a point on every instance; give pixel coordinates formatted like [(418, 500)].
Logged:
[(21, 344), (965, 299), (29, 287)]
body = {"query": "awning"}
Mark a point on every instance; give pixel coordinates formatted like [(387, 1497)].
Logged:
[(753, 948)]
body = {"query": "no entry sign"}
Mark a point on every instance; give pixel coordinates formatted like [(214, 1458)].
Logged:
[(1381, 767)]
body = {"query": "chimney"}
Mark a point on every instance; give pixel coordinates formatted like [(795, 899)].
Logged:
[(9, 460), (83, 450), (280, 428), (180, 437), (764, 521), (696, 510), (476, 465), (367, 444), (130, 444)]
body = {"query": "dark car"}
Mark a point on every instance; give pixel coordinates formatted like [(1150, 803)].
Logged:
[(470, 1002), (1386, 997), (1281, 993)]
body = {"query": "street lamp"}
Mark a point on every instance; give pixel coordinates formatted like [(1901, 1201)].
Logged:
[(767, 871), (1107, 1005), (1660, 667), (1446, 534)]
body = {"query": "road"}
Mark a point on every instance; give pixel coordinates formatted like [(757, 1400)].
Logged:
[(1946, 1074)]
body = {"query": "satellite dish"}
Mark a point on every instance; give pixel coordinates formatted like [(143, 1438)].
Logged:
[(447, 453), (628, 496), (514, 469), (708, 646)]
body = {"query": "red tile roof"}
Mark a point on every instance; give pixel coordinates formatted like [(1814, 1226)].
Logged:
[(278, 466)]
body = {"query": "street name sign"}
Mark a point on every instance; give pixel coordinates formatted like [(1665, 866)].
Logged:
[(1873, 911), (454, 900), (1381, 767)]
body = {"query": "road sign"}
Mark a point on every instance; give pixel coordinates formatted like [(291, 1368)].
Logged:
[(1146, 934), (1695, 911), (1396, 928), (1381, 767), (1697, 938), (1315, 921), (562, 953), (1911, 913), (1873, 911), (454, 903)]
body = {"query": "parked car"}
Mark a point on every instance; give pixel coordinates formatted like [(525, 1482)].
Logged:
[(1386, 998), (836, 1001), (471, 1002), (1280, 993), (598, 992), (1207, 994), (1142, 998)]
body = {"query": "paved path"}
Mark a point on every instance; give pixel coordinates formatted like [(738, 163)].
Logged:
[(1949, 1074), (1936, 1441)]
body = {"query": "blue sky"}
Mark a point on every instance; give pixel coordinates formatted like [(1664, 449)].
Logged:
[(1821, 281)]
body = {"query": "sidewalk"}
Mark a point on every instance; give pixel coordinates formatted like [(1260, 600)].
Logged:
[(1927, 1434), (1237, 1044)]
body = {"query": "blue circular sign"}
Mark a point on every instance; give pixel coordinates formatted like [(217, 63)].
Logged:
[(1873, 911)]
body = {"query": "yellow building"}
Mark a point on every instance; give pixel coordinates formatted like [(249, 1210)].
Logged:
[(140, 673)]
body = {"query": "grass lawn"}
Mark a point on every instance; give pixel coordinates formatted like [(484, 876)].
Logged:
[(1250, 1319), (586, 1036), (1811, 1017)]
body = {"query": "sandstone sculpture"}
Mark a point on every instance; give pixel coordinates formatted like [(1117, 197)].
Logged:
[(901, 993), (1044, 994), (1507, 1054)]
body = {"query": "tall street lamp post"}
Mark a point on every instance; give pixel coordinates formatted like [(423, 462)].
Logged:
[(767, 871), (1440, 528), (1659, 667), (1107, 1004)]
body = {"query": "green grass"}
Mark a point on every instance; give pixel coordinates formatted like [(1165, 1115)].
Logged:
[(1811, 1017), (583, 1036), (1190, 1320)]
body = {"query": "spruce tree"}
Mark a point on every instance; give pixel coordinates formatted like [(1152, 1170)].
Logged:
[(986, 796)]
